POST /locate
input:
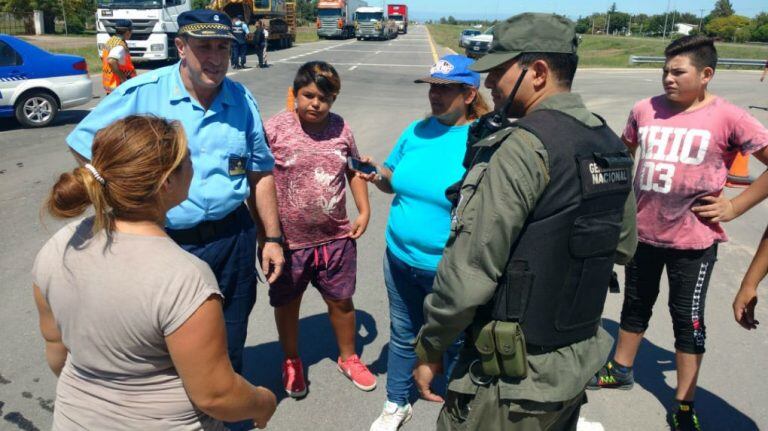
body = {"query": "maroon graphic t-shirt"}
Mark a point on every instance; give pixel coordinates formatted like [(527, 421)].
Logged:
[(682, 157), (310, 177)]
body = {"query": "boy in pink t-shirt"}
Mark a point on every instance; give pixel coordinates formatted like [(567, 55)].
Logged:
[(685, 141), (311, 146)]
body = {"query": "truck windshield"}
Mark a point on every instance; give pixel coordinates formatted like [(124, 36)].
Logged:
[(261, 4), (396, 17), (328, 12), (369, 16), (130, 4)]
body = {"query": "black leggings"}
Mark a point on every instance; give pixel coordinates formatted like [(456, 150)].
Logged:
[(688, 272)]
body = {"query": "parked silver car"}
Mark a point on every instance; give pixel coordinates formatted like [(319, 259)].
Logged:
[(478, 46), (465, 35)]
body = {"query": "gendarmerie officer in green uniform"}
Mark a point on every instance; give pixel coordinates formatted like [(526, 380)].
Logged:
[(541, 216)]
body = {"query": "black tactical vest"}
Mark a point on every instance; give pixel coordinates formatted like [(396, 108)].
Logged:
[(556, 280), (237, 30)]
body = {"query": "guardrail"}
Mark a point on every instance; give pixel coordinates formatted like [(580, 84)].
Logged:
[(728, 62)]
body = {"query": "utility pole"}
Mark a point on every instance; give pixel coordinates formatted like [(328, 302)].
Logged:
[(593, 24), (701, 18), (672, 28), (629, 27), (666, 14), (608, 22), (64, 12)]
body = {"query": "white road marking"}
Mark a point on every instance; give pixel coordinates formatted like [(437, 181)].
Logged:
[(354, 67), (386, 52), (585, 425), (287, 60)]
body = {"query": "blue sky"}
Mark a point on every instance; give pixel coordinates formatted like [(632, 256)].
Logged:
[(472, 9)]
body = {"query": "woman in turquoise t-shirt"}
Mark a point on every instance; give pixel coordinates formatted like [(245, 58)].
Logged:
[(425, 162)]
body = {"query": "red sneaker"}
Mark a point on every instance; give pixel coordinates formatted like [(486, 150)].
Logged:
[(293, 378), (357, 372)]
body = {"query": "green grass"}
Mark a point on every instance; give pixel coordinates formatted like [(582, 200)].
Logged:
[(90, 54), (306, 34), (447, 35), (610, 51)]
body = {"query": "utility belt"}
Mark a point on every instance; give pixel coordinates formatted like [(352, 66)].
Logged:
[(208, 230), (503, 351)]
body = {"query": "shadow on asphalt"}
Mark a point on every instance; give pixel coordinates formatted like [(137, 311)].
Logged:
[(68, 116), (651, 363), (316, 343)]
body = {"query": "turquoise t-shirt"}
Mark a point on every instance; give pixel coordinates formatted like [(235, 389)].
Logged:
[(426, 161)]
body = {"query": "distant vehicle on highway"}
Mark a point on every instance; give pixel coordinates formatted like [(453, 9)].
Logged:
[(154, 26), (478, 46), (466, 35), (35, 84), (336, 18), (399, 14), (371, 23), (277, 16)]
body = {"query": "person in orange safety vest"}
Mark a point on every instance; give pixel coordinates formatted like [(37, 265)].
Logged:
[(116, 64)]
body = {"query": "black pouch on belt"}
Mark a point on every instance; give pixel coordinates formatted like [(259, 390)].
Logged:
[(485, 343), (510, 345)]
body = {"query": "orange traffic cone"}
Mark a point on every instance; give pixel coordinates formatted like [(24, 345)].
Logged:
[(738, 175), (290, 100)]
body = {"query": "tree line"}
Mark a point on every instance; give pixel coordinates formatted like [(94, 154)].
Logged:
[(721, 23)]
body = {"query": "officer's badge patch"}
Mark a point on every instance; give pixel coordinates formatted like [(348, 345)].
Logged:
[(236, 165), (605, 173)]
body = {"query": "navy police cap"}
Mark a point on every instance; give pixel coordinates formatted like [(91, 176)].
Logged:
[(204, 23), (123, 23)]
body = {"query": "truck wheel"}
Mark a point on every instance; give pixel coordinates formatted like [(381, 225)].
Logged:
[(36, 109)]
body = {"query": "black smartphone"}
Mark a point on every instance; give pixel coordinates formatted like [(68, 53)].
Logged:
[(360, 166)]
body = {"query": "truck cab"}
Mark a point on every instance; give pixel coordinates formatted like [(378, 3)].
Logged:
[(399, 14), (335, 18), (371, 23), (154, 25)]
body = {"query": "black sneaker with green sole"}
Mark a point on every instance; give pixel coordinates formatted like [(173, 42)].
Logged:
[(684, 420), (610, 378)]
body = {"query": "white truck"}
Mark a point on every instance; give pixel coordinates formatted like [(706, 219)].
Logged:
[(371, 23), (154, 25)]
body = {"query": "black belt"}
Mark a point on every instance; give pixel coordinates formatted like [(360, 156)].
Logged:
[(207, 230)]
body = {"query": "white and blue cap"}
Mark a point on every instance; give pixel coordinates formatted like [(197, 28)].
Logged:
[(452, 69)]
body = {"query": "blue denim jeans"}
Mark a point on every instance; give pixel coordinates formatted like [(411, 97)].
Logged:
[(406, 288)]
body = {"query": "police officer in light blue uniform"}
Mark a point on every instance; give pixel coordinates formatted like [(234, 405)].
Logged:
[(231, 161)]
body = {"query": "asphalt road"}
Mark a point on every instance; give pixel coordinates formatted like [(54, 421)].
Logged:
[(379, 99)]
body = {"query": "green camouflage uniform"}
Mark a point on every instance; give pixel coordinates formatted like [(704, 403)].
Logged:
[(500, 190)]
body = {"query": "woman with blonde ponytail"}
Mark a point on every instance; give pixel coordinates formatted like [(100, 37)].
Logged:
[(133, 324)]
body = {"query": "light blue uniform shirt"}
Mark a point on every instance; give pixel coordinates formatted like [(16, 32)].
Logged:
[(230, 131), (424, 163)]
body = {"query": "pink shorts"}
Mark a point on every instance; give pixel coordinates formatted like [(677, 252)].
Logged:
[(331, 267)]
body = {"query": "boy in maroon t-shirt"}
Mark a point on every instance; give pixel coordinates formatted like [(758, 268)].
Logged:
[(687, 140), (311, 146)]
